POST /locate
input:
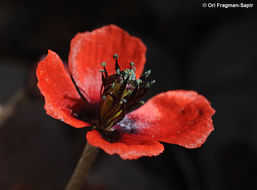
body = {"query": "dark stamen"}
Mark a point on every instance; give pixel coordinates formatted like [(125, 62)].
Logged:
[(120, 93), (117, 67)]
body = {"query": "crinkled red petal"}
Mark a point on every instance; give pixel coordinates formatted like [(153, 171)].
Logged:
[(58, 89), (177, 117), (128, 146), (88, 50)]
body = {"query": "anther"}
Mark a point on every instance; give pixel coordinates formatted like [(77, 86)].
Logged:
[(117, 67), (118, 71), (147, 73), (141, 102), (115, 56), (124, 101), (132, 64), (152, 82), (103, 64), (139, 81)]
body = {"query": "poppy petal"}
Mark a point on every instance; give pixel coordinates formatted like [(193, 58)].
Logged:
[(89, 49), (128, 146), (58, 89), (177, 117)]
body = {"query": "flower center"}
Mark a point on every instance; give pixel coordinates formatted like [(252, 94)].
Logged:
[(120, 93)]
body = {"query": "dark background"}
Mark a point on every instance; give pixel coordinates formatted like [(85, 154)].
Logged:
[(210, 50)]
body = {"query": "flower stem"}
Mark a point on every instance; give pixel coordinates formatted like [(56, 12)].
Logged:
[(81, 171), (8, 109)]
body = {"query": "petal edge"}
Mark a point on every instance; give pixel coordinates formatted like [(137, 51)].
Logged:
[(129, 146), (89, 49), (178, 117), (58, 90)]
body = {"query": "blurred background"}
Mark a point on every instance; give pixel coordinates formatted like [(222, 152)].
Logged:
[(210, 50)]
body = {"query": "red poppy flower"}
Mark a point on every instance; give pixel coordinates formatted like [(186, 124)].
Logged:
[(83, 96)]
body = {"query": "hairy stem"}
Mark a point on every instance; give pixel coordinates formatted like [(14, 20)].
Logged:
[(8, 109), (81, 171)]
